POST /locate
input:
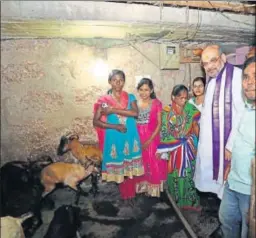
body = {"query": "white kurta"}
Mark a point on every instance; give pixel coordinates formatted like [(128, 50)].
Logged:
[(204, 162)]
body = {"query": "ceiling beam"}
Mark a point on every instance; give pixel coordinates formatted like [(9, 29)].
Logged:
[(118, 30), (236, 7)]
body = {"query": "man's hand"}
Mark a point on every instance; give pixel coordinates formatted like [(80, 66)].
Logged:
[(227, 170), (228, 155)]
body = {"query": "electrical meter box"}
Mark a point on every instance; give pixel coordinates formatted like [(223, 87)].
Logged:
[(169, 56)]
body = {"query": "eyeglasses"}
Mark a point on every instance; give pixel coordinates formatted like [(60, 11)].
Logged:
[(212, 61), (249, 78)]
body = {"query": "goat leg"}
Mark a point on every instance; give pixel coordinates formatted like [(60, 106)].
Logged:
[(78, 234), (46, 201), (79, 192), (44, 194), (35, 221), (94, 181)]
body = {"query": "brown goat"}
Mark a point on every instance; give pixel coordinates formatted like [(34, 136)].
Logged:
[(85, 154), (81, 152), (65, 173)]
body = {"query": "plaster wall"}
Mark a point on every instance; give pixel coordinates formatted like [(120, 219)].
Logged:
[(48, 89)]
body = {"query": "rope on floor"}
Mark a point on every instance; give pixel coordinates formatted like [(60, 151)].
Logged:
[(180, 215)]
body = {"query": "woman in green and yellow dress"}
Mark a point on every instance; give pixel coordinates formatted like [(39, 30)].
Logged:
[(179, 137)]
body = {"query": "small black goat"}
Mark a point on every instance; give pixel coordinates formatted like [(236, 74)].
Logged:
[(65, 223), (21, 191)]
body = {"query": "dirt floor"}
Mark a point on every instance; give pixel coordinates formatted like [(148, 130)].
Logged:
[(205, 222), (106, 216)]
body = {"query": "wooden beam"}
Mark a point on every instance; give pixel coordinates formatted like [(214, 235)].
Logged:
[(119, 31), (236, 7), (189, 60), (77, 29)]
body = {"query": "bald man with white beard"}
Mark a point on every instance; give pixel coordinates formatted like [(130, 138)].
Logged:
[(223, 102)]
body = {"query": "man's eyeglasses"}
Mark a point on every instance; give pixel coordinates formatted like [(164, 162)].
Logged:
[(212, 61)]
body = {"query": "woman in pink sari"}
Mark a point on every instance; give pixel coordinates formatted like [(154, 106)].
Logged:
[(149, 125)]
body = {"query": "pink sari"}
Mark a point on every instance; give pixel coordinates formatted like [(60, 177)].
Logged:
[(155, 169), (151, 182)]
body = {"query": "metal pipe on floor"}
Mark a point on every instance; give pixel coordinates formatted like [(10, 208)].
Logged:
[(180, 215)]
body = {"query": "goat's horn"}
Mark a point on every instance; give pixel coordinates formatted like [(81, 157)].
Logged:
[(68, 134), (74, 136)]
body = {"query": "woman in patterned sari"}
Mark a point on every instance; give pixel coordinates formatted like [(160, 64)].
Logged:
[(178, 144), (114, 119)]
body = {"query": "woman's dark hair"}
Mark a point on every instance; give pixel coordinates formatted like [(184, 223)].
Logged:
[(249, 61), (116, 72), (178, 89), (148, 82), (112, 74), (202, 79)]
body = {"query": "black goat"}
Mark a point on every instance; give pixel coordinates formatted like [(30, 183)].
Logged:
[(21, 191), (65, 223)]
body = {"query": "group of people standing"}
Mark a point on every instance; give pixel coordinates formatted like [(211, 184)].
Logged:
[(193, 144)]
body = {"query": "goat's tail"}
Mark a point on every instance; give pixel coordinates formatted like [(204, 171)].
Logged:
[(25, 216)]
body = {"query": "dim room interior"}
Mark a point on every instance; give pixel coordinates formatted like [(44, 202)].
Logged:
[(55, 60)]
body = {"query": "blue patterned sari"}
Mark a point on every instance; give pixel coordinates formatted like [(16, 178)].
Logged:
[(121, 151)]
